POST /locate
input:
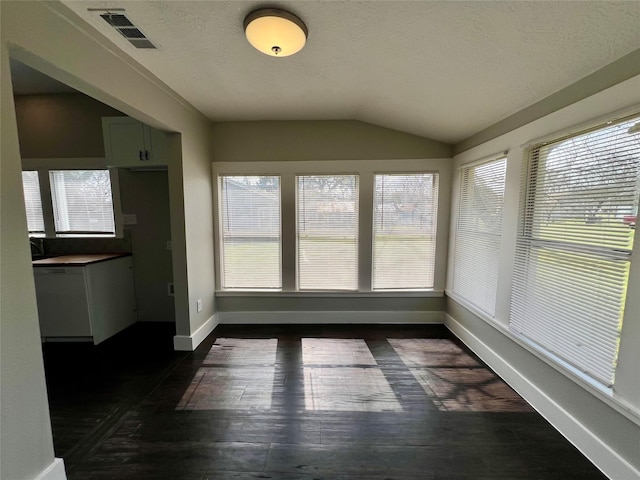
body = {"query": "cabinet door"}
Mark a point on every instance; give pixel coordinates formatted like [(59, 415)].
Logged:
[(130, 143), (155, 142), (111, 297), (124, 143), (63, 308)]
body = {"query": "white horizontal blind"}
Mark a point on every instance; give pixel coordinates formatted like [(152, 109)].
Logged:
[(32, 201), (82, 202), (478, 232), (573, 251), (404, 230), (327, 232), (250, 230)]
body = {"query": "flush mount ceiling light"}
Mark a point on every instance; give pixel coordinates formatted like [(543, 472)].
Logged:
[(275, 32)]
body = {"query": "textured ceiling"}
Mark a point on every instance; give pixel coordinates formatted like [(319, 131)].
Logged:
[(438, 69)]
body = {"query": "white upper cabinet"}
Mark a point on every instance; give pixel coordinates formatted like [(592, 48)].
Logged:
[(130, 143)]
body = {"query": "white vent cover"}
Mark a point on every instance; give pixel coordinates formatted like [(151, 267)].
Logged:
[(118, 20)]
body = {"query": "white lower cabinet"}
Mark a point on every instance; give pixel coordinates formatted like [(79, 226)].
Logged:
[(91, 302)]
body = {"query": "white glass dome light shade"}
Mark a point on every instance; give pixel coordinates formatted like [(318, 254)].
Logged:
[(275, 32)]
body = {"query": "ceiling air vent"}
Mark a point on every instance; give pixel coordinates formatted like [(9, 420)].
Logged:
[(127, 29)]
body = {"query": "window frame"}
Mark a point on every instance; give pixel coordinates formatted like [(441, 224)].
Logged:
[(35, 233), (80, 233), (44, 166), (455, 226), (220, 235), (526, 238), (436, 177), (297, 225), (365, 169), (516, 147)]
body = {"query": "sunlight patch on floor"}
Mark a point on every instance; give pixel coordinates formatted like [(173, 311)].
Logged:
[(341, 375), (346, 389), (431, 352), (336, 351), (237, 374), (242, 351), (453, 379)]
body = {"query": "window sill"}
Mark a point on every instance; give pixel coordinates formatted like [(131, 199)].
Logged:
[(600, 391), (330, 294)]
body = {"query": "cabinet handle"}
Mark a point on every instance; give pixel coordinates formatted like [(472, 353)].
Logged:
[(146, 154), (140, 155)]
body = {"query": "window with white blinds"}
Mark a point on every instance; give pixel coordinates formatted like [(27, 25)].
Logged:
[(82, 202), (250, 231), (327, 210), (404, 231), (573, 251), (478, 232), (33, 201)]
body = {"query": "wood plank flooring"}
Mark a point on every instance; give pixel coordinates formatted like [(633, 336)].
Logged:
[(296, 402)]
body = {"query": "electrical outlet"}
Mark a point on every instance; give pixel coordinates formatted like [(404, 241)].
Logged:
[(170, 289), (169, 245), (199, 305)]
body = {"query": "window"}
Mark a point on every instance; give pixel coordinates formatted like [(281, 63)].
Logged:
[(82, 202), (477, 235), (404, 230), (250, 230), (312, 228), (574, 246), (32, 201), (327, 232)]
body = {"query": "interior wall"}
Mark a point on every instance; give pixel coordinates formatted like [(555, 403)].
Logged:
[(25, 436), (145, 194), (323, 304), (604, 425), (319, 157), (82, 58), (61, 125), (55, 128), (318, 140)]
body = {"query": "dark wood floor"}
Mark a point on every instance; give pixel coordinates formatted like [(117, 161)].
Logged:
[(295, 402)]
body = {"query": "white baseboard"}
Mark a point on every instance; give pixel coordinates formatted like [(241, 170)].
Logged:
[(333, 317), (598, 452), (188, 343), (55, 471), (67, 339)]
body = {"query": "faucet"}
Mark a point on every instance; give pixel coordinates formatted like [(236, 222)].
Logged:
[(37, 244)]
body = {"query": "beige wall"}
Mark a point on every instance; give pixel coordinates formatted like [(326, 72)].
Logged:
[(333, 304), (318, 140), (67, 126), (25, 436), (146, 194), (289, 148), (61, 125), (82, 58), (603, 424)]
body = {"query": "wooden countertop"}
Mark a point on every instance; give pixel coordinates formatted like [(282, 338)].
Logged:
[(77, 260)]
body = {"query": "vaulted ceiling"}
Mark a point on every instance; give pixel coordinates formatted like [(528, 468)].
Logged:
[(439, 69)]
